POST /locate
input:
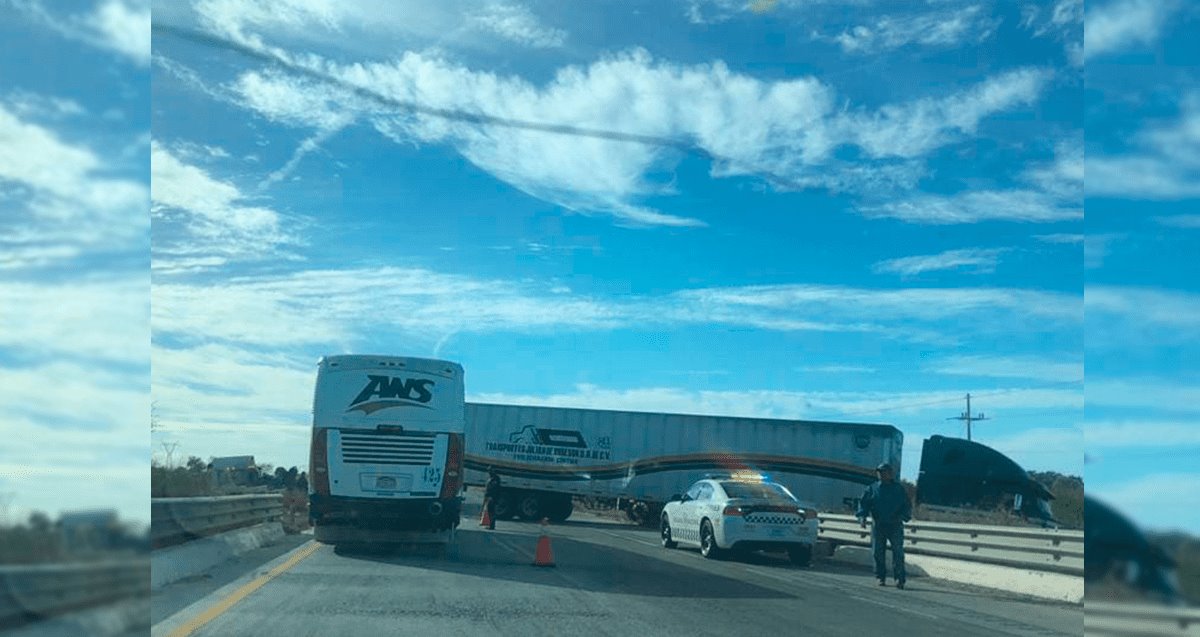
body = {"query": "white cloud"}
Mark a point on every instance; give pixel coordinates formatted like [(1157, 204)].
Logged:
[(1189, 222), (76, 431), (1160, 395), (781, 404), (1053, 192), (839, 369), (1141, 433), (1121, 24), (1156, 501), (786, 129), (915, 128), (1064, 20), (1060, 238), (125, 28), (203, 221), (1043, 448), (59, 204), (1164, 164), (1097, 247), (1133, 317), (977, 260), (941, 29), (1029, 367), (976, 206), (518, 24), (118, 26), (101, 318)]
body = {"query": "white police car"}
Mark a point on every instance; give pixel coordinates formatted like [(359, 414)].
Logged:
[(740, 513)]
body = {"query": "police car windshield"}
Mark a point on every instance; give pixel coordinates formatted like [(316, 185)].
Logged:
[(756, 490)]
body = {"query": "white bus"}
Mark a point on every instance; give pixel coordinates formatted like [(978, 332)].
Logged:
[(386, 459)]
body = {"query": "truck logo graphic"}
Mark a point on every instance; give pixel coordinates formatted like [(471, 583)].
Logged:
[(392, 392), (531, 435)]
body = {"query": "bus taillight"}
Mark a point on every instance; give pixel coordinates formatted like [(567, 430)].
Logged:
[(454, 466), (318, 462)]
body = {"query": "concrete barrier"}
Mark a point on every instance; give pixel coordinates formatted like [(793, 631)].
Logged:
[(31, 593), (111, 620), (193, 558), (1040, 584)]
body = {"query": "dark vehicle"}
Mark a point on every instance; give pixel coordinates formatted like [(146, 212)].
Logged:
[(964, 474), (1112, 544)]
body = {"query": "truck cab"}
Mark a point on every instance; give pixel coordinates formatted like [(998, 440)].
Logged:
[(963, 474)]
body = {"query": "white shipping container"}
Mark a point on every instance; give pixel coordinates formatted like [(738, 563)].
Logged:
[(651, 456)]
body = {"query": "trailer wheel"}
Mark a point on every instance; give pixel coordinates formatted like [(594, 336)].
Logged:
[(560, 508), (505, 508), (530, 507)]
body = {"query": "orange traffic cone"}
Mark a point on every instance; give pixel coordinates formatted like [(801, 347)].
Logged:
[(544, 555), (485, 519)]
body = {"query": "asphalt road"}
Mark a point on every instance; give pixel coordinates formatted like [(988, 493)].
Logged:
[(609, 579)]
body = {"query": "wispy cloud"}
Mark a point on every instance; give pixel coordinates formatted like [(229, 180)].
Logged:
[(1064, 20), (1188, 222), (1097, 247), (518, 24), (940, 29), (781, 404), (61, 197), (201, 221), (839, 369), (1124, 434), (1162, 165), (977, 260), (1051, 192), (1121, 24), (1156, 500), (1061, 238), (1124, 317), (1162, 395), (1066, 369), (786, 129), (119, 26)]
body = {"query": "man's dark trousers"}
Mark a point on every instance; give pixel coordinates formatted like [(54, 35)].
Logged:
[(881, 536)]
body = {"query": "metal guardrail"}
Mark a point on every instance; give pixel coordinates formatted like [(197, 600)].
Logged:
[(176, 520), (33, 592), (1139, 620), (1035, 549)]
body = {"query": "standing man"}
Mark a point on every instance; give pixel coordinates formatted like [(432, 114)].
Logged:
[(490, 493), (887, 503)]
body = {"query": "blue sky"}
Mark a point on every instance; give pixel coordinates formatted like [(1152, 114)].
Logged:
[(74, 237), (879, 209), (1142, 289), (866, 213)]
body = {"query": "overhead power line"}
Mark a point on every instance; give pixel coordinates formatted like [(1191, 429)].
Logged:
[(944, 401)]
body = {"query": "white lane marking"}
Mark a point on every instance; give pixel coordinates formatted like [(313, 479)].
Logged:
[(903, 609), (627, 537)]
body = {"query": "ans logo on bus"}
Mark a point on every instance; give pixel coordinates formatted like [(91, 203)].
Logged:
[(392, 392)]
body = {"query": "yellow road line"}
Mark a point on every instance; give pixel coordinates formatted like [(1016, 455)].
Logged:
[(215, 610)]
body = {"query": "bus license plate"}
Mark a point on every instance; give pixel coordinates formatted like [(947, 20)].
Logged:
[(386, 483)]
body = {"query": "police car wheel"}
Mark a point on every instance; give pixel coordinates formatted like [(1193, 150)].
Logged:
[(708, 541), (667, 541), (800, 555)]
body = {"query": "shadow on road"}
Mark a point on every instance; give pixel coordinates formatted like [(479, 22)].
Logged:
[(579, 565)]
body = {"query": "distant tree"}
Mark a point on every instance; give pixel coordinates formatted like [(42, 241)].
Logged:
[(292, 475), (40, 522), (194, 463), (280, 478), (302, 481)]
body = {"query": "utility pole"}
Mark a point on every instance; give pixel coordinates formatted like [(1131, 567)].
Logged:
[(968, 417)]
